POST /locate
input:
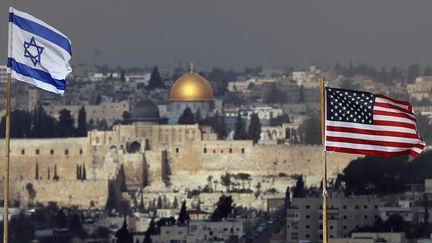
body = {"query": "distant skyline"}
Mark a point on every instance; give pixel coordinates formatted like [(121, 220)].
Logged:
[(237, 34)]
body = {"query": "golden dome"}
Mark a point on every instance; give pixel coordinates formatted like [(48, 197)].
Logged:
[(191, 87)]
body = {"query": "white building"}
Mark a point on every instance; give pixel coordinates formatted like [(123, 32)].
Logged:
[(345, 214)]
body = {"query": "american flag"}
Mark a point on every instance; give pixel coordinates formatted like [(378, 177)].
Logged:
[(371, 124)]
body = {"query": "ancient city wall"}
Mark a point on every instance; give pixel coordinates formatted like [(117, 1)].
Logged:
[(83, 194)]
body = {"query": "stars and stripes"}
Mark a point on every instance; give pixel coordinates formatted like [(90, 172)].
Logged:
[(363, 123)]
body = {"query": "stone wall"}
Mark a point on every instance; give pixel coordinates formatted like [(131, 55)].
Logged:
[(65, 193)]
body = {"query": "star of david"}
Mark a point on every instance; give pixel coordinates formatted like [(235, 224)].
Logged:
[(33, 51)]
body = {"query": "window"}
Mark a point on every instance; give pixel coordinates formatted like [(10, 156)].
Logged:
[(22, 151), (357, 207), (230, 150), (344, 206), (365, 206), (66, 152), (37, 151), (81, 151), (307, 236), (307, 216), (365, 216), (177, 150), (307, 226), (243, 150), (307, 206), (331, 226), (52, 151), (205, 150), (344, 217)]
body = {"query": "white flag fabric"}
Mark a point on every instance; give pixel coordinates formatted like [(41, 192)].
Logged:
[(38, 53)]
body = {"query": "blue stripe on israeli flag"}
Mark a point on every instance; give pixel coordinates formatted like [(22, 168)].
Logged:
[(38, 53), (24, 70), (41, 31)]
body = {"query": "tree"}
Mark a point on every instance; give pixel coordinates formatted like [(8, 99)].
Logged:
[(413, 72), (209, 182), (55, 177), (60, 219), (159, 202), (310, 131), (219, 79), (21, 127), (155, 81), (279, 120), (175, 203), (147, 238), (223, 208), (183, 216), (44, 126), (424, 127), (299, 189), (65, 125), (84, 173), (239, 130), (254, 131), (31, 193), (275, 95), (78, 172), (123, 235), (226, 180), (152, 230), (82, 123), (187, 117), (301, 94), (102, 125), (126, 116), (287, 197), (141, 207), (37, 171)]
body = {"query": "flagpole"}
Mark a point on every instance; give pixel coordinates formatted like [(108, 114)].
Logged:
[(7, 151), (7, 138), (324, 158)]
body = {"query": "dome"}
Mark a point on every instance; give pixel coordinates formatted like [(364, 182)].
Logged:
[(144, 110), (191, 87)]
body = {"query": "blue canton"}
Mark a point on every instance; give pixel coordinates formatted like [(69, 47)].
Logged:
[(33, 51), (350, 106)]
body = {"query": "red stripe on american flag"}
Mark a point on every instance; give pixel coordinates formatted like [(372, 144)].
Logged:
[(394, 124), (401, 102), (371, 132), (372, 152), (374, 142), (394, 114), (387, 105)]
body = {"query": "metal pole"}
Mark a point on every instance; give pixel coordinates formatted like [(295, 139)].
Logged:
[(324, 158), (7, 152)]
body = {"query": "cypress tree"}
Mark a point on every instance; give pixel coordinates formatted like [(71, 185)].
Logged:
[(239, 131), (82, 123), (84, 175), (254, 131)]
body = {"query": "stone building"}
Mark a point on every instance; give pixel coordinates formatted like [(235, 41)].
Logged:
[(345, 214)]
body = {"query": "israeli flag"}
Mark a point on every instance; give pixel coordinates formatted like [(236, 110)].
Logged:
[(38, 54)]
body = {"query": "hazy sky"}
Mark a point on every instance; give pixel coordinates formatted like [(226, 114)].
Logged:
[(237, 33)]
